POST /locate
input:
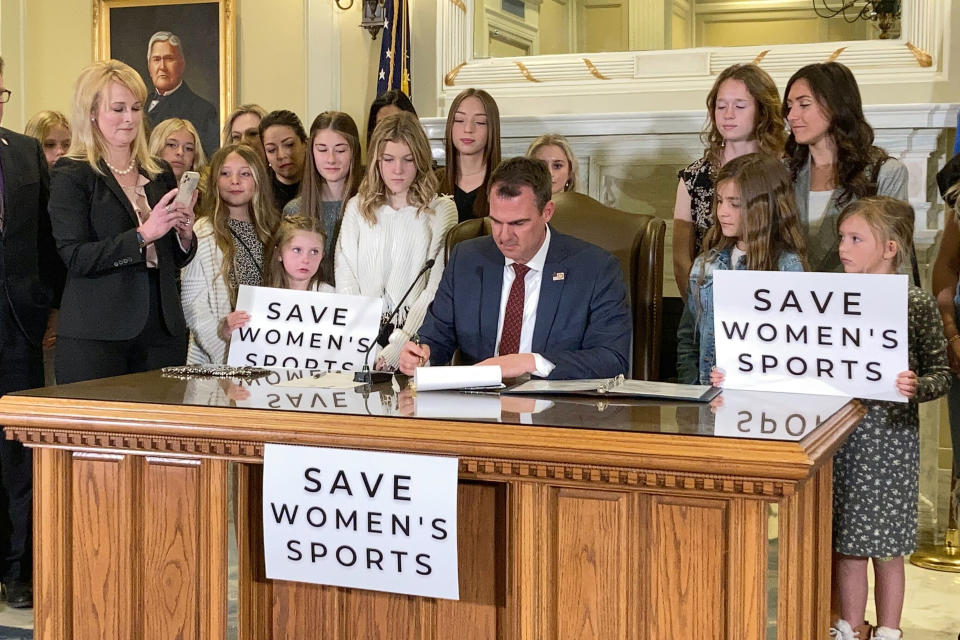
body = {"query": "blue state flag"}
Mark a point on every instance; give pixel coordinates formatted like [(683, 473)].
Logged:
[(394, 72)]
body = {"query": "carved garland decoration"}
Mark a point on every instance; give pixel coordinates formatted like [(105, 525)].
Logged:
[(479, 468), (593, 70)]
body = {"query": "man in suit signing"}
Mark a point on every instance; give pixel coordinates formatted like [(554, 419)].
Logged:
[(31, 274), (527, 298)]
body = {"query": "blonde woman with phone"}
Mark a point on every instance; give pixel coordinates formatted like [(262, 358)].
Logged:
[(120, 234)]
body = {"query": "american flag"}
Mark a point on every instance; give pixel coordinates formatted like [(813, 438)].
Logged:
[(395, 49)]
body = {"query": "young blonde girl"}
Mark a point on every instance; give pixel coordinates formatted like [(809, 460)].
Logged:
[(755, 226), (231, 235), (392, 227), (875, 472), (293, 260)]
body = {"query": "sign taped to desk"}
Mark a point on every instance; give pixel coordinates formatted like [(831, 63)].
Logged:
[(304, 329), (361, 519), (842, 334)]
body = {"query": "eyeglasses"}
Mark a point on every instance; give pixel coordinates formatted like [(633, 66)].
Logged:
[(5, 95)]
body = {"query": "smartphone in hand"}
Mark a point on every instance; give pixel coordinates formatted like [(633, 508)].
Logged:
[(188, 185)]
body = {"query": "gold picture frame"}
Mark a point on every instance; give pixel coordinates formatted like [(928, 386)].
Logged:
[(192, 21)]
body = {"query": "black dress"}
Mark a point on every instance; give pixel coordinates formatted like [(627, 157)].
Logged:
[(465, 201)]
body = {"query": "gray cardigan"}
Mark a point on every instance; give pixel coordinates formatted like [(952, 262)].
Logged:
[(822, 249)]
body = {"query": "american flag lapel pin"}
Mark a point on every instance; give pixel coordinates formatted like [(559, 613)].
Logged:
[(559, 276)]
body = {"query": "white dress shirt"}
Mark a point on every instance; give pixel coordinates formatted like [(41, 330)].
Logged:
[(530, 301)]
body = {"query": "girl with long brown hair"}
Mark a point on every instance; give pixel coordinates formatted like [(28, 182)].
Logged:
[(330, 178), (831, 155), (231, 236), (743, 110), (755, 226), (392, 227), (472, 147)]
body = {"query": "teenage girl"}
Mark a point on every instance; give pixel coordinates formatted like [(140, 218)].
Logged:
[(743, 110), (472, 148), (875, 472), (294, 261), (755, 226), (393, 226)]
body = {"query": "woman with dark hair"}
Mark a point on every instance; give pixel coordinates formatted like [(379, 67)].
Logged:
[(743, 111), (387, 104), (831, 155), (472, 147), (284, 142), (330, 178)]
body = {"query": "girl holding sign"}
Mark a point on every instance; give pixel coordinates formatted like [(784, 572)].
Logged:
[(230, 240), (875, 472), (296, 258), (755, 226), (392, 227), (294, 261)]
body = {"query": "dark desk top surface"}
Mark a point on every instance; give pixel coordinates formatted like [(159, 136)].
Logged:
[(734, 414)]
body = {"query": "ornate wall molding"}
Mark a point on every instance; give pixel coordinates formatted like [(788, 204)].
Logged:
[(873, 61)]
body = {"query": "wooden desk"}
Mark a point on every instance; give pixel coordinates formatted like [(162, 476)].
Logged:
[(627, 522)]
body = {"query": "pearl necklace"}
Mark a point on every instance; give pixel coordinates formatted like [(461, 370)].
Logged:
[(133, 162)]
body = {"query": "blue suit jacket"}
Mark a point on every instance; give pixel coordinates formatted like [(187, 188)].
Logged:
[(583, 324)]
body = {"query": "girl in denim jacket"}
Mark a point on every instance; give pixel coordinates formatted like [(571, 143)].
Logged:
[(756, 227)]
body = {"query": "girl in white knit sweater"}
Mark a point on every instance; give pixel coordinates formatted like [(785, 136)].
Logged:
[(231, 234), (392, 227)]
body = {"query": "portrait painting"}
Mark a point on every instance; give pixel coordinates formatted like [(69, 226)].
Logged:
[(183, 50)]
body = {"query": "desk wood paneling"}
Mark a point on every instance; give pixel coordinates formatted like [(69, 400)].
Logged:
[(563, 533)]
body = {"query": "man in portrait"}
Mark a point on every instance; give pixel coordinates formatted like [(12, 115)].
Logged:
[(171, 96)]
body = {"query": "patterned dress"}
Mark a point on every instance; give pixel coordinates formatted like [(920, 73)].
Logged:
[(875, 472), (248, 255), (699, 183)]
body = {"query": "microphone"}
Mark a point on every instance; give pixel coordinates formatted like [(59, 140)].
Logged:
[(367, 376)]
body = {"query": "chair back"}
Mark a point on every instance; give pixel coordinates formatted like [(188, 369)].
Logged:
[(637, 242)]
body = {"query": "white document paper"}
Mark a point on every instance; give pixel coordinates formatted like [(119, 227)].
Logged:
[(304, 329), (838, 334), (361, 519), (443, 378)]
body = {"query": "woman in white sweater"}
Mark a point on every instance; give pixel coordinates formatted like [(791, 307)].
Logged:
[(230, 239), (394, 224)]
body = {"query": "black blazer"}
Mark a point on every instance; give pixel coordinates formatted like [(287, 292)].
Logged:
[(107, 292), (30, 268)]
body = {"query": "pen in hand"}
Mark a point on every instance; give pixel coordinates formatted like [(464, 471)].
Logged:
[(416, 341)]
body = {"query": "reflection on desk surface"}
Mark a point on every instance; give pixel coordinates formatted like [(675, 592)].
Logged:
[(733, 414)]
